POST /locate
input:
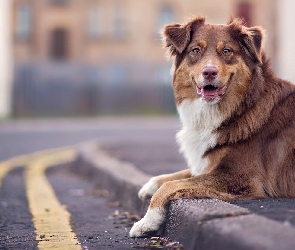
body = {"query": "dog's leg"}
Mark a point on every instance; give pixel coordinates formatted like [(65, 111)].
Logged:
[(219, 185), (154, 183)]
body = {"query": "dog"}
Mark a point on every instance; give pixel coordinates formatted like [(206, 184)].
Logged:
[(238, 120)]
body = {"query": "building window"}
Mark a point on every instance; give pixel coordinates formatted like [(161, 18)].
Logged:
[(119, 30), (94, 24), (244, 10), (59, 40), (24, 21), (166, 16), (59, 2)]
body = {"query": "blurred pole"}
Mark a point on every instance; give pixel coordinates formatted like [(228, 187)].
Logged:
[(286, 39), (5, 58)]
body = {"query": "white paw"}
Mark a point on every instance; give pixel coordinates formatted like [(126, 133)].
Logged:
[(148, 189), (152, 221)]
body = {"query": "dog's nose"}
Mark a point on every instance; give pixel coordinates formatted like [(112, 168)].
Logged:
[(209, 73)]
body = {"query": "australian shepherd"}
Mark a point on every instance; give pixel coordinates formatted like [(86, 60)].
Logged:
[(238, 125)]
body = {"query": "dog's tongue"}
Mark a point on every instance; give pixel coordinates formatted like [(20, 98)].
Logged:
[(210, 93)]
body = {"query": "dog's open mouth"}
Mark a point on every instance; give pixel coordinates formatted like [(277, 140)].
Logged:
[(210, 92)]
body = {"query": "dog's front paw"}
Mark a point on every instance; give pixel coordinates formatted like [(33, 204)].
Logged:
[(148, 189), (139, 229), (151, 222)]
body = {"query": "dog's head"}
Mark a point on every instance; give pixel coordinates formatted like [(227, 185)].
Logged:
[(212, 61)]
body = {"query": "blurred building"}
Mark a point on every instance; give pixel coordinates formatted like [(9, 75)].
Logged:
[(120, 31), (92, 56)]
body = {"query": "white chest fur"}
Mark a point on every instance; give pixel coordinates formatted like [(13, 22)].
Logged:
[(199, 120)]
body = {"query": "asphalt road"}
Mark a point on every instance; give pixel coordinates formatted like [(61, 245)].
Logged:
[(122, 136), (90, 210), (148, 143), (91, 215)]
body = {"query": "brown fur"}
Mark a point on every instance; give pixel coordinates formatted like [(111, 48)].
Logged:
[(254, 152)]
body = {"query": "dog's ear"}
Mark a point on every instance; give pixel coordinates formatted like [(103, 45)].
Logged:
[(177, 36), (250, 39)]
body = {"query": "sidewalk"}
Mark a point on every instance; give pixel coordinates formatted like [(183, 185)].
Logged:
[(197, 223)]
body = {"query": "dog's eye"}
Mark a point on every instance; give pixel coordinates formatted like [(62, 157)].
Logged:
[(227, 51), (196, 50)]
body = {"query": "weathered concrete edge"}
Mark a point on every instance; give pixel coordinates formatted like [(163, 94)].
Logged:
[(124, 180), (221, 225)]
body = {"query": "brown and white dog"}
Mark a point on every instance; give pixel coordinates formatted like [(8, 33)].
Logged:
[(238, 120)]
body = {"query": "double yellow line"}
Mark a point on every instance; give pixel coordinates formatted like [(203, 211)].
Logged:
[(51, 219)]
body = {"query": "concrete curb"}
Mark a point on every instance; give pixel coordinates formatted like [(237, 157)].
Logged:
[(214, 224), (196, 223), (122, 179)]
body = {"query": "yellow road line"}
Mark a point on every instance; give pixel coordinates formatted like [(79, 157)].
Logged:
[(51, 219), (5, 167), (22, 160), (8, 165)]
